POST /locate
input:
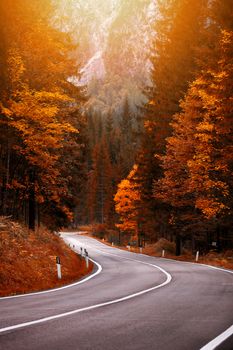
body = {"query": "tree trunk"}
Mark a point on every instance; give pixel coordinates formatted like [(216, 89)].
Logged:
[(218, 238), (178, 245), (32, 203)]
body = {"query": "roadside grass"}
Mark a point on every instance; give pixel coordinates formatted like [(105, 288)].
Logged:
[(224, 259), (28, 260)]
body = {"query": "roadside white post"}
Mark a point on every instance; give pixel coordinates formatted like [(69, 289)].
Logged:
[(112, 244), (163, 253), (197, 256), (86, 258), (141, 250), (58, 262)]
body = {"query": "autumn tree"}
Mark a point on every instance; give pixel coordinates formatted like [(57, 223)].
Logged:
[(198, 162), (36, 98), (100, 192), (178, 33), (126, 204)]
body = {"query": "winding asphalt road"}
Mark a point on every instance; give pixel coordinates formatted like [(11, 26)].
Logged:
[(132, 301)]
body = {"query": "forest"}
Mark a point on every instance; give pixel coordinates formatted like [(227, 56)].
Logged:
[(119, 115)]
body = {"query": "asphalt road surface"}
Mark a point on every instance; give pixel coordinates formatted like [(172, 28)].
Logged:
[(133, 301)]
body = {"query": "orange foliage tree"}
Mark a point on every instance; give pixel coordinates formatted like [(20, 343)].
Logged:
[(198, 162), (126, 203), (36, 100)]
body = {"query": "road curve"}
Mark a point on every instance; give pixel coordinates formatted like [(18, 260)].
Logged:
[(134, 302)]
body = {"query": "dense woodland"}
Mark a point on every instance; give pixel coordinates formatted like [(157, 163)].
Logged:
[(164, 170)]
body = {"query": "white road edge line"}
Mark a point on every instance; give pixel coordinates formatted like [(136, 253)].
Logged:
[(130, 296), (99, 269), (216, 268), (218, 340)]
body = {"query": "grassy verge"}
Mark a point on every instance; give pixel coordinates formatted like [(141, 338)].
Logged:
[(28, 260), (224, 259)]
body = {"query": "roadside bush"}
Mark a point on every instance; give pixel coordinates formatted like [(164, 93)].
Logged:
[(168, 246), (99, 230)]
